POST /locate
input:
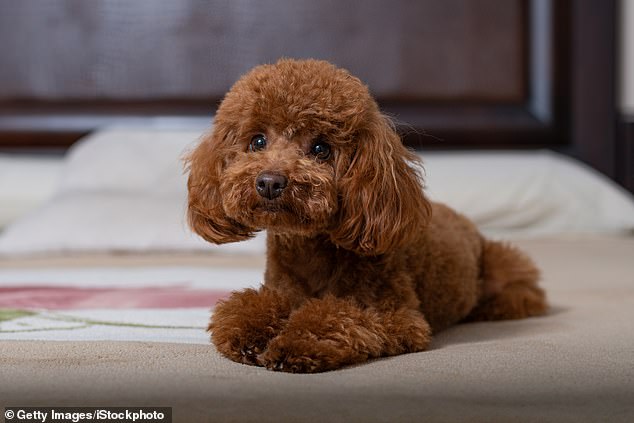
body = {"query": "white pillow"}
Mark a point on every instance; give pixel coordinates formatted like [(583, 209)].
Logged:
[(120, 190), (124, 190), (25, 183), (528, 193)]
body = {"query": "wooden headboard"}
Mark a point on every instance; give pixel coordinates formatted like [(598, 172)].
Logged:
[(455, 73)]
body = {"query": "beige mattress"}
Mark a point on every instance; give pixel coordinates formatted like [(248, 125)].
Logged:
[(574, 365)]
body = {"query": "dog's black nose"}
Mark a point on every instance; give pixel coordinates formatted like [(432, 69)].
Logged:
[(270, 185)]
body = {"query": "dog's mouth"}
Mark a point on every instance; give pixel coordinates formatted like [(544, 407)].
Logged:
[(272, 207), (281, 216), (299, 208)]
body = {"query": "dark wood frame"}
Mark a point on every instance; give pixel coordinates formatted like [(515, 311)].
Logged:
[(593, 114), (575, 115), (625, 151)]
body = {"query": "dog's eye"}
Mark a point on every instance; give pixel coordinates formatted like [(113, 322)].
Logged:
[(258, 142), (321, 150)]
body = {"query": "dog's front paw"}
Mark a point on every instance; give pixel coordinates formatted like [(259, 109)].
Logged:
[(304, 353), (325, 334), (242, 325), (240, 339)]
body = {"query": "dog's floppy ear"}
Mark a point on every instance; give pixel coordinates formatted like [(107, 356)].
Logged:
[(381, 198), (205, 212)]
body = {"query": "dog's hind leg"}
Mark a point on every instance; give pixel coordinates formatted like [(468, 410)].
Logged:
[(509, 285)]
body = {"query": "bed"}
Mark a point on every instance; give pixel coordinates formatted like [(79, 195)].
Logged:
[(97, 310), (572, 365), (105, 294)]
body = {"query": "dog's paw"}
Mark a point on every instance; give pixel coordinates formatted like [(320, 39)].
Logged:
[(307, 354), (242, 325), (325, 334), (238, 347)]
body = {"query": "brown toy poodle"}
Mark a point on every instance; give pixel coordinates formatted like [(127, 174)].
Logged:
[(359, 264)]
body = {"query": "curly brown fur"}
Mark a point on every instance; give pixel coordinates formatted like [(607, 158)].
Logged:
[(360, 264)]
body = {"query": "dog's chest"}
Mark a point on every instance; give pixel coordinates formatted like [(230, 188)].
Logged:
[(314, 265)]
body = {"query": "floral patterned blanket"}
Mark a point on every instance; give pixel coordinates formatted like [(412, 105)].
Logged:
[(146, 302)]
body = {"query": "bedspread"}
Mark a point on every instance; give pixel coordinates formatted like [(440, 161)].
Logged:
[(130, 330)]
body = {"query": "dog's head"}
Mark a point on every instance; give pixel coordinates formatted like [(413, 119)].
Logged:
[(300, 147)]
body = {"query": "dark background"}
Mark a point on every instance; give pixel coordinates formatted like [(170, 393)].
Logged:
[(454, 73)]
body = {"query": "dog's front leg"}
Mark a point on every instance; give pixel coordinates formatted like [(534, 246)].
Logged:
[(328, 333), (242, 325)]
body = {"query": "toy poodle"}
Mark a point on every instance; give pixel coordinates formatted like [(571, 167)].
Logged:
[(360, 264)]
